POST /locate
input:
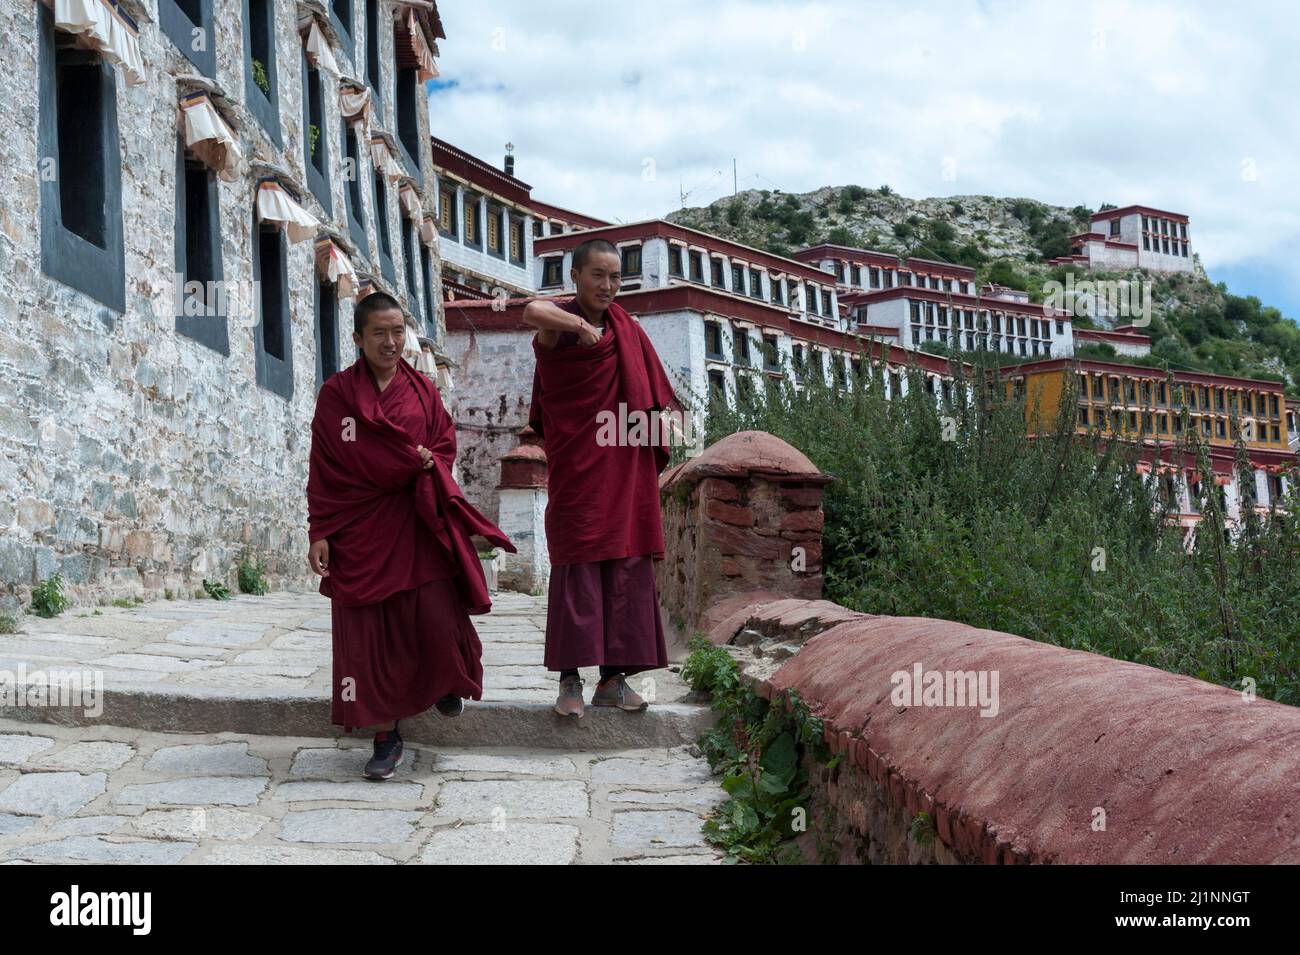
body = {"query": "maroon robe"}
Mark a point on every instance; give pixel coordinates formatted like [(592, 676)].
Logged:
[(404, 575), (604, 529)]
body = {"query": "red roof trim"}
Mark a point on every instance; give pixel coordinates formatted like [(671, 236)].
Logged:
[(960, 299), (1145, 371), (1144, 210)]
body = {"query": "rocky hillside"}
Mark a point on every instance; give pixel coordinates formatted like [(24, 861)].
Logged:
[(1196, 323)]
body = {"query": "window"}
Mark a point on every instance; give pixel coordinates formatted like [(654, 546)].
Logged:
[(447, 211), (494, 230), (537, 228), (738, 279), (810, 298), (675, 260), (327, 331), (630, 260), (201, 314), (408, 263), (797, 360), (272, 352), (261, 82), (713, 341), (430, 310), (875, 277), (770, 352), (373, 74), (517, 241), (855, 274), (551, 268), (826, 304), (352, 188), (778, 290), (81, 207), (381, 229), (1114, 227), (1083, 416), (741, 348), (341, 18), (410, 94), (314, 141), (472, 233), (188, 23), (715, 278), (717, 385), (697, 267), (755, 283)]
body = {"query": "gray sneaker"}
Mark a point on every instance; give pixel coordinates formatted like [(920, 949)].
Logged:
[(569, 702), (616, 692)]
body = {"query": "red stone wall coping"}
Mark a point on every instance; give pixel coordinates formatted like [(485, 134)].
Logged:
[(743, 454), (1188, 772)]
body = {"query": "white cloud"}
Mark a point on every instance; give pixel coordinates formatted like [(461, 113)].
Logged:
[(1164, 104)]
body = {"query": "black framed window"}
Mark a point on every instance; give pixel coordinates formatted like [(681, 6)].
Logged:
[(188, 23), (697, 267), (272, 342), (551, 271), (327, 330), (408, 263), (473, 222), (430, 309), (495, 241), (755, 283), (261, 77), (675, 260), (81, 205), (352, 188), (738, 279), (517, 241), (409, 88), (374, 76), (713, 341), (341, 16), (715, 273), (201, 312), (447, 219), (630, 260), (315, 143), (379, 196)]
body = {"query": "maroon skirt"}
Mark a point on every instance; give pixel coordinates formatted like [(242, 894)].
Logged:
[(396, 658), (605, 613)]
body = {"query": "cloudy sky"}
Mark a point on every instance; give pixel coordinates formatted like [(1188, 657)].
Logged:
[(616, 109)]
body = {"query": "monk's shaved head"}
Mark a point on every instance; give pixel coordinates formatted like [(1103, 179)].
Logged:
[(583, 253), (372, 303)]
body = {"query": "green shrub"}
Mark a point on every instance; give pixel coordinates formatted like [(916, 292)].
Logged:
[(215, 589), (8, 624), (252, 576), (48, 599)]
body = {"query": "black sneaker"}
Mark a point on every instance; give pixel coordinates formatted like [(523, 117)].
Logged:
[(388, 755), (450, 705)]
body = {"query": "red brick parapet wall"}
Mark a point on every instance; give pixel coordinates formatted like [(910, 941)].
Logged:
[(1086, 760), (1185, 771), (744, 516)]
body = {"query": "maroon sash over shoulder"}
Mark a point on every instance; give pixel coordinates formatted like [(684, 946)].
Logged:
[(364, 472), (602, 499)]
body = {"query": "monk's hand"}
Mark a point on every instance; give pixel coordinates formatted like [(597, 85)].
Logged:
[(319, 558), (425, 455), (588, 334)]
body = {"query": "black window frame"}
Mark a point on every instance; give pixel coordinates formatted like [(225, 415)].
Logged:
[(178, 26), (549, 263), (407, 119), (66, 256), (318, 166), (627, 255), (430, 309), (383, 234), (374, 67), (210, 330), (409, 236), (325, 307), (353, 202), (265, 107), (346, 31), (272, 372)]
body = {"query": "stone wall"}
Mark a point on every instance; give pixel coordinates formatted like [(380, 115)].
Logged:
[(134, 459)]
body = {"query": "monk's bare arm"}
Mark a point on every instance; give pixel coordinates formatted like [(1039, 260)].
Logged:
[(550, 320)]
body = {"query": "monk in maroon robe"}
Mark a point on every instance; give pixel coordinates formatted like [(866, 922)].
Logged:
[(390, 538), (595, 372)]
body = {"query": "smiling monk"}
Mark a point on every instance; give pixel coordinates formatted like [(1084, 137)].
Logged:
[(390, 538), (603, 525)]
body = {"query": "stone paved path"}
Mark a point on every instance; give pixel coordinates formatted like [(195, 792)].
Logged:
[(278, 642), (106, 792), (111, 794)]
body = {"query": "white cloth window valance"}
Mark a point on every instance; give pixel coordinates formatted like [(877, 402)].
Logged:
[(105, 27), (209, 136), (334, 266), (382, 156), (318, 48), (275, 204)]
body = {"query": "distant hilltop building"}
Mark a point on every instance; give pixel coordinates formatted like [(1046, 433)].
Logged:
[(1132, 237)]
